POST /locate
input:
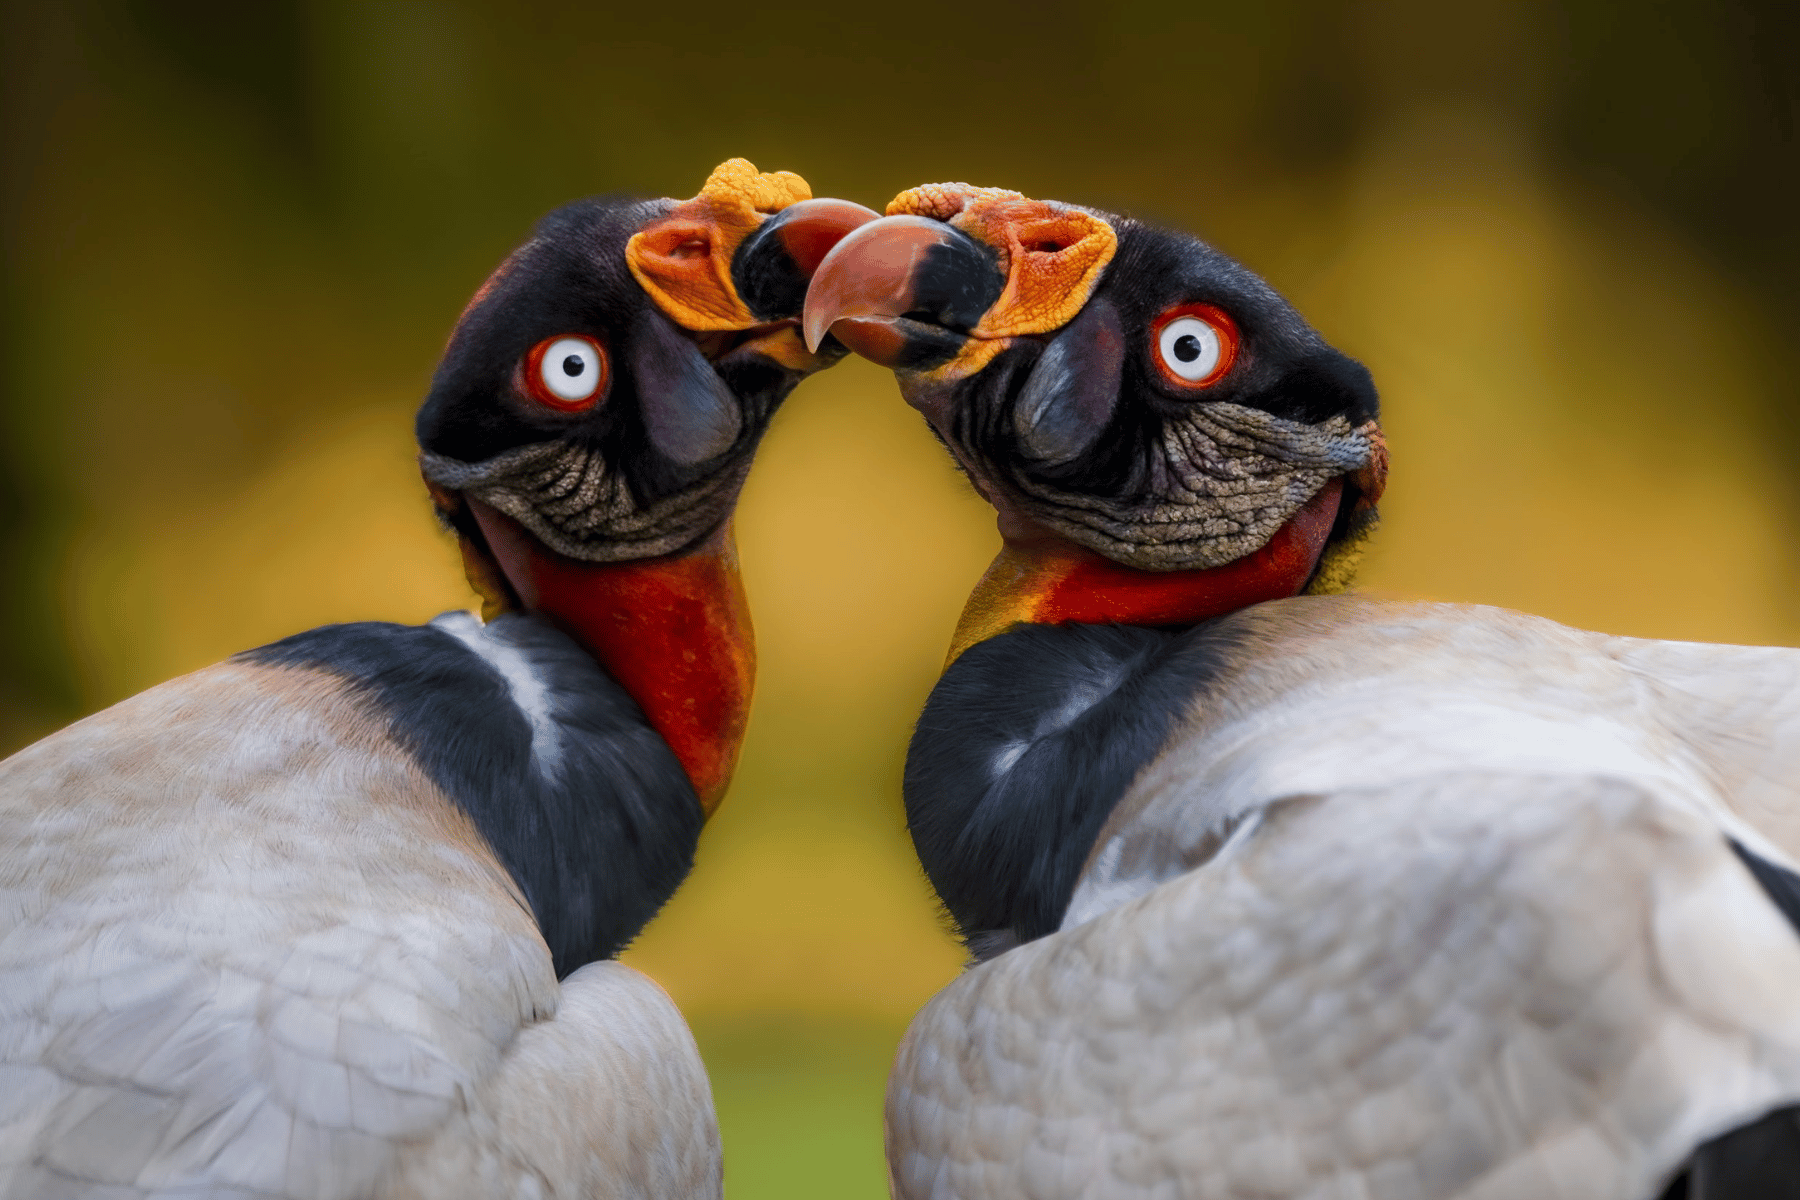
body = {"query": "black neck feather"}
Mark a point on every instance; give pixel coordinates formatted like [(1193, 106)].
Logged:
[(1025, 747), (581, 801)]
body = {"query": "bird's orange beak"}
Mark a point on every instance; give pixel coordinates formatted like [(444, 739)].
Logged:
[(952, 274), (731, 267)]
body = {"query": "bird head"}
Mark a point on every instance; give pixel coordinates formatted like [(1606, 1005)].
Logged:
[(593, 419), (1163, 437)]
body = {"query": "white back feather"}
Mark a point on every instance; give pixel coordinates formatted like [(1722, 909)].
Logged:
[(271, 961), (1422, 901)]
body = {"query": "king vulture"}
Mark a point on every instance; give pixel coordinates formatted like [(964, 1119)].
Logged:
[(1271, 891), (336, 918)]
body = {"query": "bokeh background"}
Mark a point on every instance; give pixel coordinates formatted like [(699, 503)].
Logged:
[(1565, 237)]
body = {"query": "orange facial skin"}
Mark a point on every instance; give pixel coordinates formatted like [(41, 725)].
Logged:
[(1051, 254), (1050, 581), (683, 261), (675, 632)]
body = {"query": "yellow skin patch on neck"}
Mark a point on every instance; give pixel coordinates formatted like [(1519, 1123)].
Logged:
[(1052, 254), (683, 260), (1337, 568)]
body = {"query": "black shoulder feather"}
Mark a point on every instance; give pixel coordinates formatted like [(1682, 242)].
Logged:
[(1026, 745), (584, 804)]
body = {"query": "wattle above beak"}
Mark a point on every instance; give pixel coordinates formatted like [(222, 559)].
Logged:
[(902, 291)]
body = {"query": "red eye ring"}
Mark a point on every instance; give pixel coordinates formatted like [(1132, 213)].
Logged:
[(568, 372), (1194, 345)]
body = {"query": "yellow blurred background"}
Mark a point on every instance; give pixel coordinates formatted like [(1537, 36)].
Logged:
[(1563, 236)]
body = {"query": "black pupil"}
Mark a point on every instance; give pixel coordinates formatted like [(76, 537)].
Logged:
[(573, 365), (1187, 348)]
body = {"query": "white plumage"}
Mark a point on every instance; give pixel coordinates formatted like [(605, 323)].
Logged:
[(247, 948), (1421, 901)]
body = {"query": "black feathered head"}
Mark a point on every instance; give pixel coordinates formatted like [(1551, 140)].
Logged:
[(1163, 436), (594, 417)]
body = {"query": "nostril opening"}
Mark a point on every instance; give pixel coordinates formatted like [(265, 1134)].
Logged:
[(1049, 247)]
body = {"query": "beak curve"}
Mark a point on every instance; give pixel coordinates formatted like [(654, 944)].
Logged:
[(902, 291), (774, 265)]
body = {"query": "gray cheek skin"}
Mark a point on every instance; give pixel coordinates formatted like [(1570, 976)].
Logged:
[(1074, 387), (1223, 479), (577, 504), (690, 414)]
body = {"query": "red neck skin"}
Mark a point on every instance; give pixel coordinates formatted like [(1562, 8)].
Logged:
[(1044, 579), (675, 633)]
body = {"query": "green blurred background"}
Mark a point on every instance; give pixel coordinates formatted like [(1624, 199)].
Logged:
[(1563, 236)]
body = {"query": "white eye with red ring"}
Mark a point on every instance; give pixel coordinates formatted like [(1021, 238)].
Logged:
[(567, 373), (1195, 345)]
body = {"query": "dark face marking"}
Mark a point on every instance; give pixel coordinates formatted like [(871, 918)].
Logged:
[(673, 422), (707, 422), (1089, 434), (1025, 747), (1069, 398), (597, 833), (1096, 422), (569, 278), (959, 283)]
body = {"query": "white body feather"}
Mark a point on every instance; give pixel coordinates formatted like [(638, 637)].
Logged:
[(1422, 902), (248, 949)]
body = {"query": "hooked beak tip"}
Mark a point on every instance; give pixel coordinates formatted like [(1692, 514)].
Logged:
[(814, 326), (889, 269)]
